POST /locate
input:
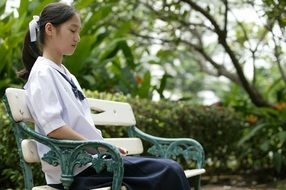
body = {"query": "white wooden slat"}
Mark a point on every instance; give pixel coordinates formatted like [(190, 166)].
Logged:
[(17, 102), (43, 187), (30, 151), (109, 188), (132, 145), (46, 187), (111, 113), (194, 172)]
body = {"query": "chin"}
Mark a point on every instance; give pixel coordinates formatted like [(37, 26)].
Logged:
[(69, 53)]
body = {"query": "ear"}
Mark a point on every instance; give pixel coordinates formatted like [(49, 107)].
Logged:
[(49, 29)]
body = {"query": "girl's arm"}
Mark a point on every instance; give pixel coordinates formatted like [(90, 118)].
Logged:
[(68, 133)]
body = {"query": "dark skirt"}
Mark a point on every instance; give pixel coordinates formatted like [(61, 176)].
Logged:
[(140, 173)]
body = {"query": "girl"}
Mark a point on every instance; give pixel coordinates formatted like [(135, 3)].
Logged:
[(60, 109)]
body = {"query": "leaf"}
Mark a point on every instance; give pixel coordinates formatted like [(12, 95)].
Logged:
[(82, 4), (264, 146), (145, 87), (282, 136), (252, 133), (110, 51), (78, 59), (277, 161), (2, 6), (90, 79), (100, 38), (39, 6), (127, 53), (163, 84), (164, 53), (23, 8)]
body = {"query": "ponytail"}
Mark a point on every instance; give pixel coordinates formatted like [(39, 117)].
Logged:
[(30, 53)]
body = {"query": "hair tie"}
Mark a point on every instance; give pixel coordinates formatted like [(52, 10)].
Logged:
[(33, 28)]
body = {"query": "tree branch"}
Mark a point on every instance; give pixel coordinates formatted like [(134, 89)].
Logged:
[(253, 93), (221, 70), (225, 16), (206, 14)]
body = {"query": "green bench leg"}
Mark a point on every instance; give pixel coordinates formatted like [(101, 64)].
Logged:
[(196, 182)]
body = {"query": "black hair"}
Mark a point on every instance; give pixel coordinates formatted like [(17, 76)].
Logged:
[(54, 13)]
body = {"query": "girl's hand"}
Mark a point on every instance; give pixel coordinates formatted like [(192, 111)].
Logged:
[(123, 151)]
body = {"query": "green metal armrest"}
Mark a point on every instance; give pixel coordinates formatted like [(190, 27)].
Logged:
[(69, 154), (172, 147)]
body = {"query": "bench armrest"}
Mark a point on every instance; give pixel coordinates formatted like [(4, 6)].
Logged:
[(69, 154), (172, 147)]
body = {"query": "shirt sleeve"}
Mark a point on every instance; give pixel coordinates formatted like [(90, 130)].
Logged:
[(44, 101)]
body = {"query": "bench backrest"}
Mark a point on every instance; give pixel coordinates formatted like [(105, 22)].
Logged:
[(104, 113)]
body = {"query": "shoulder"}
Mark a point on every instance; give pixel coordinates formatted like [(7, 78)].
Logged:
[(44, 67), (41, 66), (41, 72)]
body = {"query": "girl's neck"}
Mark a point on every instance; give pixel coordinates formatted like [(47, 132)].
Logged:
[(53, 57)]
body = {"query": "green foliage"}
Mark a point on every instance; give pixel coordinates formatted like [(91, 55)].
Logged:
[(103, 60), (9, 170), (275, 10), (212, 126), (265, 138), (11, 176)]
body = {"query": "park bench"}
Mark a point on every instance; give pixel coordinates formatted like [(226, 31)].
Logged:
[(68, 153)]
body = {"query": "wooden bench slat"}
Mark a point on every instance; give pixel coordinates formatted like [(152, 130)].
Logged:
[(43, 187), (134, 146), (194, 172), (19, 109), (121, 113), (30, 151), (46, 187)]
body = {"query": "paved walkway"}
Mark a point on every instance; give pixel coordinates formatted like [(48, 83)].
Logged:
[(217, 187), (242, 183)]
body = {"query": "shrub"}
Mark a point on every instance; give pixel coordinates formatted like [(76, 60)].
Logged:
[(10, 171)]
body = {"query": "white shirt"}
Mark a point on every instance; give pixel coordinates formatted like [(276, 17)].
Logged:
[(53, 104)]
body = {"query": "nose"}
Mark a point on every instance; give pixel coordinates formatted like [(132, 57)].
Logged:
[(77, 38)]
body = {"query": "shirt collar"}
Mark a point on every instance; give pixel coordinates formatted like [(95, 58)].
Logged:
[(55, 66)]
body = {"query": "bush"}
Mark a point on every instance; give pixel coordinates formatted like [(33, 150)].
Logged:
[(10, 171), (216, 128), (264, 138)]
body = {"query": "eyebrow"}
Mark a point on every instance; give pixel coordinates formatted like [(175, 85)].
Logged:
[(76, 25)]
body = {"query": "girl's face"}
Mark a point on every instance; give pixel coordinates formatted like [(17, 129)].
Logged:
[(66, 36)]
